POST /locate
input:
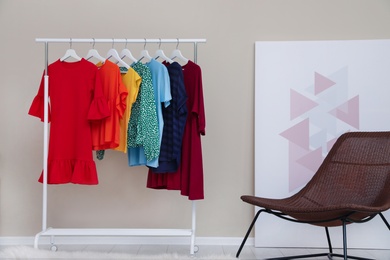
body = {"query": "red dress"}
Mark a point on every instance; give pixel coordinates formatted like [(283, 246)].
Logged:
[(189, 177), (76, 97)]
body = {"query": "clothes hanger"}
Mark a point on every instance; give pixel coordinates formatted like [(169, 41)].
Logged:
[(112, 53), (127, 53), (176, 53), (145, 54), (160, 54), (93, 53), (70, 53)]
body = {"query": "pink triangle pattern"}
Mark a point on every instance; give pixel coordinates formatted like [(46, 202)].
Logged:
[(302, 161), (321, 83), (312, 160), (348, 112), (330, 143), (298, 174), (298, 134), (299, 104)]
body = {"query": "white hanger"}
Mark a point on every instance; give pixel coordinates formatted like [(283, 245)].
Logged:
[(70, 53), (145, 54), (160, 54), (112, 53), (127, 53), (176, 53), (94, 53)]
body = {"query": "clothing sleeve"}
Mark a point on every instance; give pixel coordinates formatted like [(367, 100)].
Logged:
[(37, 105), (165, 94), (99, 106), (136, 85), (198, 106), (121, 97), (181, 94)]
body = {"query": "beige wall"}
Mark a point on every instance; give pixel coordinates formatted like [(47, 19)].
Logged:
[(227, 60)]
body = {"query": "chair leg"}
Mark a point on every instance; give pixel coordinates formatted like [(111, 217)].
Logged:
[(329, 242), (384, 220), (330, 255), (345, 255), (248, 232), (345, 239)]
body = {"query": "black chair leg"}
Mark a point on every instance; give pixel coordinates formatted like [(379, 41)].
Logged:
[(345, 255), (345, 240), (329, 242), (330, 255), (248, 232), (384, 220)]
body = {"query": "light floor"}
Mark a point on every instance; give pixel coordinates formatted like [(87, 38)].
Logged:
[(249, 252)]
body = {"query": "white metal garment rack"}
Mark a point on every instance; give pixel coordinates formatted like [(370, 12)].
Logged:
[(52, 232)]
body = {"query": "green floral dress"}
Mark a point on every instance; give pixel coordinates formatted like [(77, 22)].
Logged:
[(143, 133)]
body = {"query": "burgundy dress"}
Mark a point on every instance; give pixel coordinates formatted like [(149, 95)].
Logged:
[(76, 97)]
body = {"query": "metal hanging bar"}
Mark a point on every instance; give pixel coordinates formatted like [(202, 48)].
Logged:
[(124, 40), (101, 232)]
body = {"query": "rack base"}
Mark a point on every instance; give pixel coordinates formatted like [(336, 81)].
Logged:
[(52, 232)]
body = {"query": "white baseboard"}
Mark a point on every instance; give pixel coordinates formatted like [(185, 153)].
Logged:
[(85, 240)]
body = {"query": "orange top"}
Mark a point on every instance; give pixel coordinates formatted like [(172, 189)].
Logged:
[(106, 132), (132, 81)]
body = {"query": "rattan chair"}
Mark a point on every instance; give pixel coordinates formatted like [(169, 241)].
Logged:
[(352, 185)]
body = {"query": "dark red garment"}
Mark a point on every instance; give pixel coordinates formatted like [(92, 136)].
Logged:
[(189, 177), (76, 97)]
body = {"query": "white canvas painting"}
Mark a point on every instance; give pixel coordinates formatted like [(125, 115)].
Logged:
[(307, 93)]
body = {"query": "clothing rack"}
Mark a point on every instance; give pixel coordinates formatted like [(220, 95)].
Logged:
[(52, 232)]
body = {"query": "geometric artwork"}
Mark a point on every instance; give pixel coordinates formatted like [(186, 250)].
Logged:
[(308, 93), (320, 114)]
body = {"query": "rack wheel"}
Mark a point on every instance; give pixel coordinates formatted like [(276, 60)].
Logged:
[(54, 248), (196, 249)]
